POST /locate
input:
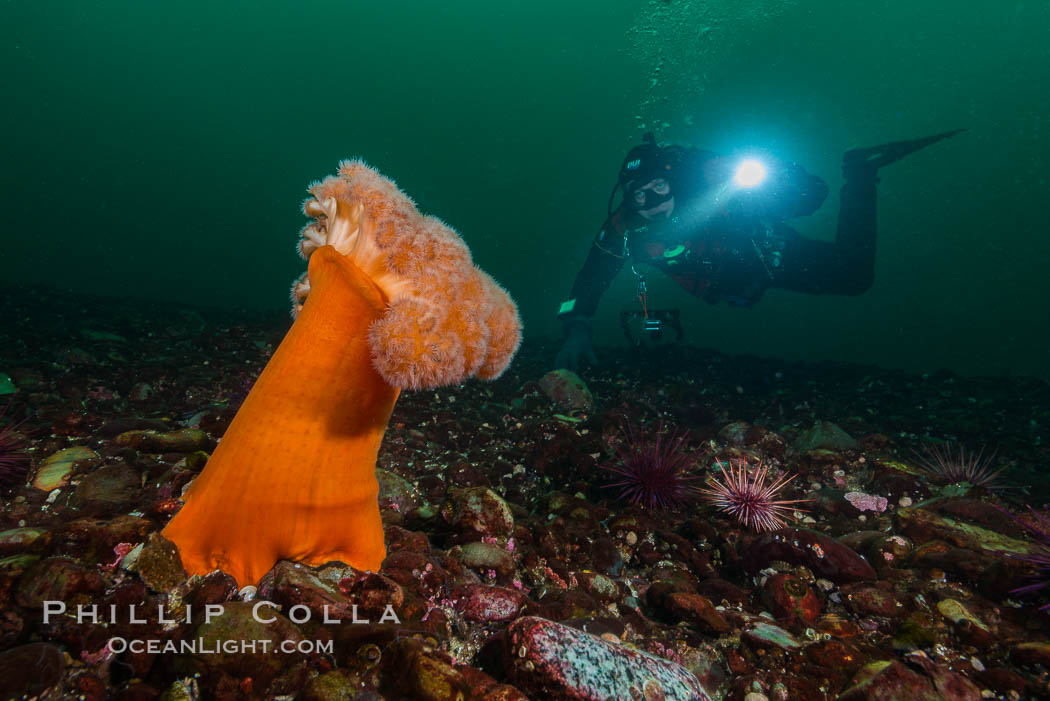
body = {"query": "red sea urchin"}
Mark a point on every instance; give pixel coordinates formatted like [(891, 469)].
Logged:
[(654, 470), (953, 464), (13, 459), (745, 495)]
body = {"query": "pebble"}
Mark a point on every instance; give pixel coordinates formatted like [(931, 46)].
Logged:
[(566, 389), (825, 435), (822, 554), (553, 661), (57, 469), (30, 670), (487, 556), (271, 674), (185, 440), (159, 564), (479, 512), (22, 540), (791, 599), (487, 604)]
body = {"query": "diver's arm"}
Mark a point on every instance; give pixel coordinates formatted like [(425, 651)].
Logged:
[(788, 192), (604, 260), (796, 192)]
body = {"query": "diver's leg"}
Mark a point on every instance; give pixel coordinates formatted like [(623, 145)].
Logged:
[(855, 237), (856, 229), (847, 266), (814, 267), (875, 157)]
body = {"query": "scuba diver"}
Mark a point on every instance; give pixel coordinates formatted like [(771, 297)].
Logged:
[(717, 226)]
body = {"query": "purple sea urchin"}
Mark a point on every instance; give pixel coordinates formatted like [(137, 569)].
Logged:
[(1037, 525), (744, 494), (654, 470), (13, 460), (957, 464)]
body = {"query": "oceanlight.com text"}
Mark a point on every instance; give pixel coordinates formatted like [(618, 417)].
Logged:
[(202, 646)]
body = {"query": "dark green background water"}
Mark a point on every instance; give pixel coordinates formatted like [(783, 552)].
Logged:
[(162, 150)]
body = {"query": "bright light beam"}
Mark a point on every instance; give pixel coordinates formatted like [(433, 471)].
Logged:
[(749, 173)]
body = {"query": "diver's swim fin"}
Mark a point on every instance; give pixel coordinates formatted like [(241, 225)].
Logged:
[(874, 157)]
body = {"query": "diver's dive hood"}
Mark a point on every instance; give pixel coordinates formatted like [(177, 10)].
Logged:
[(646, 162)]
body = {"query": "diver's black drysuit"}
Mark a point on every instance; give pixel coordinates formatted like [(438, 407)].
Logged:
[(738, 251), (730, 244)]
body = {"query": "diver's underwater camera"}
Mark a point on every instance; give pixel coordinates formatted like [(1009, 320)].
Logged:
[(646, 328)]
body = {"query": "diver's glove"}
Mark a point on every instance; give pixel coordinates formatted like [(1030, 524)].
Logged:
[(577, 347)]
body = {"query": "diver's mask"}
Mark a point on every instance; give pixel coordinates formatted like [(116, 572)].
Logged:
[(650, 199), (645, 165)]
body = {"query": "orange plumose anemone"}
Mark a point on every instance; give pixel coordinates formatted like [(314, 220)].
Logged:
[(391, 300)]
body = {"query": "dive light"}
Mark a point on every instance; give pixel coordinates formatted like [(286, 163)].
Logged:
[(749, 173)]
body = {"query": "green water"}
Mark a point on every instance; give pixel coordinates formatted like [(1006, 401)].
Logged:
[(161, 150)]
